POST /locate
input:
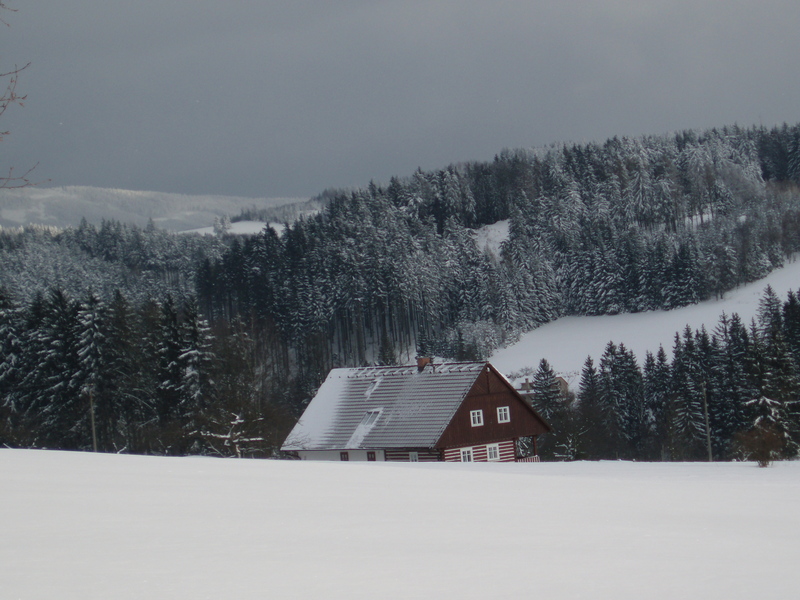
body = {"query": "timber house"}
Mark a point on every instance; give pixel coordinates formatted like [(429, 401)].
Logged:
[(462, 412)]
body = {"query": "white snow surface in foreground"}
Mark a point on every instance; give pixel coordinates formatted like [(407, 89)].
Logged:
[(567, 342), (78, 525)]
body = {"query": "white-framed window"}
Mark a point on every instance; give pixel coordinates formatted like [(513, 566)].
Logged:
[(493, 452), (413, 457), (476, 417), (466, 455), (503, 414)]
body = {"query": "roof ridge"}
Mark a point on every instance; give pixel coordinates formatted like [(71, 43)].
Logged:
[(455, 366)]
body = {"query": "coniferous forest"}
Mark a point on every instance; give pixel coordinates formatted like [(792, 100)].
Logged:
[(133, 339), (726, 394)]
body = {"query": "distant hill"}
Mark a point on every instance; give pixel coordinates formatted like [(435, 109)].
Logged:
[(66, 206)]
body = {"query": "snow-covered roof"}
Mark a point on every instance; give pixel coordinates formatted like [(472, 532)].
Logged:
[(383, 407)]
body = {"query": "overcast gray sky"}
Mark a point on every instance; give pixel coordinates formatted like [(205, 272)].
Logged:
[(286, 98)]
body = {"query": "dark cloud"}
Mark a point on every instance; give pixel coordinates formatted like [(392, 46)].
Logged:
[(286, 98)]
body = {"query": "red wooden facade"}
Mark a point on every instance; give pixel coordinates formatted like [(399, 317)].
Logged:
[(412, 455), (505, 451), (495, 398)]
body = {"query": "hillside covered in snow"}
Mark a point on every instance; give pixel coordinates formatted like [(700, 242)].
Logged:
[(566, 342), (67, 206)]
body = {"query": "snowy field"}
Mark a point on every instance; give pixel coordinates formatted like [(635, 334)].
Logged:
[(105, 526), (567, 342)]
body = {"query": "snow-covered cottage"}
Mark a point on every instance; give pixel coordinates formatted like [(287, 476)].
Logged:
[(429, 412)]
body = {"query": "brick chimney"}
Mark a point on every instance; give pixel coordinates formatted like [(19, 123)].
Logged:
[(422, 362)]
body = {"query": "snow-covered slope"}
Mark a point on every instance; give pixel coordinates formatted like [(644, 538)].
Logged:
[(489, 238), (108, 526), (567, 342), (241, 228), (66, 206)]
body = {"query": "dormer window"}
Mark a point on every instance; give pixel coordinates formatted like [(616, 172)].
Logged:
[(369, 417), (476, 417), (363, 428)]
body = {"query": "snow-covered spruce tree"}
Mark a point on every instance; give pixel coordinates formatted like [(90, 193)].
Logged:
[(631, 252), (688, 388), (612, 402), (781, 384), (90, 373), (656, 443), (195, 362), (770, 313), (655, 273), (170, 378), (143, 412), (11, 357), (793, 166), (791, 324), (53, 408), (732, 384), (639, 193), (708, 351), (529, 281), (590, 413), (546, 396), (130, 370), (769, 438), (554, 408), (685, 283), (635, 410), (622, 401)]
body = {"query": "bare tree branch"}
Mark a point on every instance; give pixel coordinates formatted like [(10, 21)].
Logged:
[(4, 7), (9, 97), (11, 181)]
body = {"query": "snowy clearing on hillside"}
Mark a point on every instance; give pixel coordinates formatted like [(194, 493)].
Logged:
[(242, 228), (84, 526), (490, 237), (567, 342)]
